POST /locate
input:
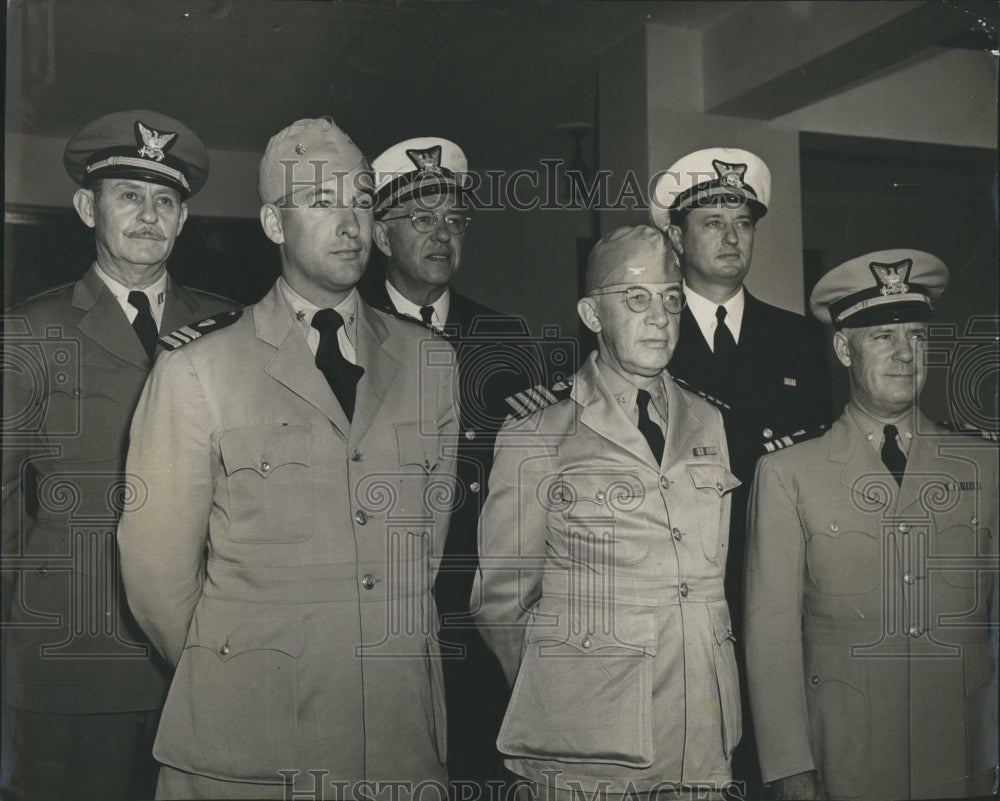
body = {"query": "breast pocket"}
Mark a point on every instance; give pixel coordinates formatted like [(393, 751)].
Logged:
[(267, 476), (424, 488), (597, 508), (712, 482), (89, 413)]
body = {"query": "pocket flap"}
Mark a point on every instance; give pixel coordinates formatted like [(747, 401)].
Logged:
[(722, 624), (416, 448), (634, 628), (826, 664), (263, 449), (229, 638), (712, 476)]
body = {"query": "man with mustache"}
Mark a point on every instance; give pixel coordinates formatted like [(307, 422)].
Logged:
[(760, 363), (872, 569), (83, 682), (603, 545), (299, 465), (420, 227)]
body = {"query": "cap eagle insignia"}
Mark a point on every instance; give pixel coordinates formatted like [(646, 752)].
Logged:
[(892, 278), (730, 174), (427, 162), (152, 142)]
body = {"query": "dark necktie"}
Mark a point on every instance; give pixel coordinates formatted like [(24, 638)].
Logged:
[(427, 314), (341, 375), (144, 324), (649, 429), (893, 457), (723, 343)]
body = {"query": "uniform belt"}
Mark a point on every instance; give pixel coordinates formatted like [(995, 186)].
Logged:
[(642, 591), (828, 631)]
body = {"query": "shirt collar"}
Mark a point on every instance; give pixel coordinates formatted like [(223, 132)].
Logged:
[(156, 291), (625, 392), (303, 310), (703, 311), (406, 306), (872, 428)]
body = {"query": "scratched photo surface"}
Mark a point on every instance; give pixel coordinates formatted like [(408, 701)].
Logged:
[(493, 561)]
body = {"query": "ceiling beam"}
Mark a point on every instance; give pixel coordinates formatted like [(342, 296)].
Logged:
[(771, 58)]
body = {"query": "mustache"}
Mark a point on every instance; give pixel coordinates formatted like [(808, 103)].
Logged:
[(146, 233)]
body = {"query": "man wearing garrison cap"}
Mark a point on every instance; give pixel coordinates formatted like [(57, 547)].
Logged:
[(761, 364), (602, 550), (298, 466), (84, 684), (420, 230), (871, 605)]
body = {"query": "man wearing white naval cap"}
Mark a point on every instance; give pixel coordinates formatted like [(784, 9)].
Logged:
[(871, 604), (298, 465)]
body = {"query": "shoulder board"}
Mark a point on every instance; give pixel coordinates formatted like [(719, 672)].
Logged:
[(406, 318), (776, 444), (531, 400), (721, 404), (965, 428), (192, 331)]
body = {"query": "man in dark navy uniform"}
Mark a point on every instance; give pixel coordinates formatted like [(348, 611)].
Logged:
[(420, 227), (759, 363)]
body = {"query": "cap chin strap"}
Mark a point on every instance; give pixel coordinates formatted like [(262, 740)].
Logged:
[(142, 165), (861, 305)]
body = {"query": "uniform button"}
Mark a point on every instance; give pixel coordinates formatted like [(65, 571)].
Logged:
[(361, 516), (718, 486), (909, 578), (599, 495), (834, 527), (474, 487), (368, 581), (265, 466), (974, 521), (76, 392), (684, 590), (356, 456), (224, 648), (470, 434), (664, 482), (768, 433), (904, 527), (915, 631), (586, 642), (814, 680), (677, 533), (42, 571)]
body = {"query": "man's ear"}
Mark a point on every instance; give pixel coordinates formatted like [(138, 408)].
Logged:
[(270, 221), (587, 309), (380, 233), (674, 235), (183, 217), (83, 202), (842, 347)]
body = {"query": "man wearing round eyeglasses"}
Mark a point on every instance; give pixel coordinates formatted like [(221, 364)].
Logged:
[(420, 228), (603, 547)]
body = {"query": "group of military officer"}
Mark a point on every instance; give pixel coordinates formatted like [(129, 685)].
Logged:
[(306, 546)]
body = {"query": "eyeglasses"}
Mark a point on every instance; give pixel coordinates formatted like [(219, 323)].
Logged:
[(638, 298), (426, 221)]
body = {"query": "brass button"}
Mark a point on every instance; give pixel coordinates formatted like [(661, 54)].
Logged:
[(677, 533), (224, 648), (265, 466), (768, 433), (76, 392), (43, 571), (470, 435), (915, 631), (909, 578), (368, 581), (664, 482), (718, 486), (361, 516), (356, 456), (834, 527), (904, 528), (814, 680), (586, 642), (599, 495), (974, 521), (474, 487), (684, 590)]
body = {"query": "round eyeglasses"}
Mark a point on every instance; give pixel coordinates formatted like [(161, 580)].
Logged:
[(639, 299), (426, 221)]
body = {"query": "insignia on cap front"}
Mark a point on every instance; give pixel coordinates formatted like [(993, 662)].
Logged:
[(427, 162), (730, 174), (152, 143), (892, 277)]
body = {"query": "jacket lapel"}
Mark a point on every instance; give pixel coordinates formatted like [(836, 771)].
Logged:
[(864, 473), (679, 436), (179, 308), (104, 320), (294, 365), (381, 367), (919, 466)]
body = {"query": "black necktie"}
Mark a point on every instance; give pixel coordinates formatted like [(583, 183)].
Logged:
[(427, 314), (144, 324), (650, 430), (893, 457), (723, 344), (341, 375)]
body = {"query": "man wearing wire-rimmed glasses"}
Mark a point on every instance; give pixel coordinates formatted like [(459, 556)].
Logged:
[(602, 552)]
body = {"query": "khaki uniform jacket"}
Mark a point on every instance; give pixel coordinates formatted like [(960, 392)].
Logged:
[(601, 591), (282, 558), (73, 371), (868, 607)]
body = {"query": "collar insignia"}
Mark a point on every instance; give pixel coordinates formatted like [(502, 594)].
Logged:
[(892, 278), (427, 162), (730, 174), (152, 143)]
